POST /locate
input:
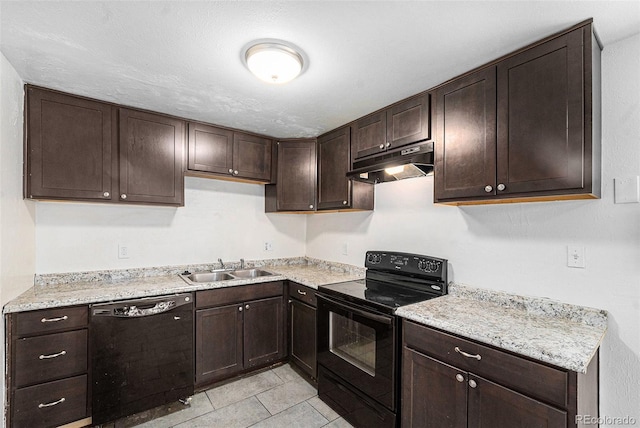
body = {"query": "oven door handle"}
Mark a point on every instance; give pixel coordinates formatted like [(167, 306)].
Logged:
[(378, 318)]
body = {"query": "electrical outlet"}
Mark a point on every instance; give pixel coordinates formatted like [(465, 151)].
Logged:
[(123, 251), (268, 246), (575, 256)]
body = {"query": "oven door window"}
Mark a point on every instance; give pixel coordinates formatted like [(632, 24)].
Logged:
[(352, 341)]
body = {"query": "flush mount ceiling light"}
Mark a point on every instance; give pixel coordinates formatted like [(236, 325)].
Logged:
[(274, 62)]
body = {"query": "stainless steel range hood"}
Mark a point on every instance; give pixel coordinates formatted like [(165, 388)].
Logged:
[(397, 164)]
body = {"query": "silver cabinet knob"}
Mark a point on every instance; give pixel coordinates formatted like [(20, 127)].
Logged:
[(239, 308), (123, 196), (235, 172), (459, 378), (246, 307), (472, 383), (344, 202), (230, 170), (310, 206), (382, 146), (488, 188), (388, 145), (501, 187), (106, 194)]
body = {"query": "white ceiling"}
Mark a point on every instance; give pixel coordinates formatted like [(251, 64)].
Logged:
[(185, 58)]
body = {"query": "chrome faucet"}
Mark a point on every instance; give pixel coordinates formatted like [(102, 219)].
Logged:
[(221, 264), (241, 263)]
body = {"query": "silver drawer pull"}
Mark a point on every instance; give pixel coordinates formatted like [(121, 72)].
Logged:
[(64, 318), (41, 405), (176, 318), (304, 293), (464, 354), (46, 357)]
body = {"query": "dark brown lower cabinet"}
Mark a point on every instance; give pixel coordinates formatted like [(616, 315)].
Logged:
[(238, 328), (47, 368), (441, 388), (302, 328), (263, 332), (218, 342)]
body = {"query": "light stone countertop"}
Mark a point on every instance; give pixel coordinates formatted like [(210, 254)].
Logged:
[(557, 333), (67, 289)]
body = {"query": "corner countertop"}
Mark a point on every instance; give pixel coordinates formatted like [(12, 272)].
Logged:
[(557, 333), (67, 289)]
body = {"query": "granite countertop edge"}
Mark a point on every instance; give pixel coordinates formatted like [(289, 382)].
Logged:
[(546, 330), (76, 288)]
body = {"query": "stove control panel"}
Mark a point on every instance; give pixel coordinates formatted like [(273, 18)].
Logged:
[(406, 263)]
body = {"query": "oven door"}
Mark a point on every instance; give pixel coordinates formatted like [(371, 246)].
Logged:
[(358, 345)]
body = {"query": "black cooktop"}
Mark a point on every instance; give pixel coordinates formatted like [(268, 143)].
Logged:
[(393, 280), (383, 297)]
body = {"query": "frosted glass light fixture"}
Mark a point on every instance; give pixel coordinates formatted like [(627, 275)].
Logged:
[(274, 62)]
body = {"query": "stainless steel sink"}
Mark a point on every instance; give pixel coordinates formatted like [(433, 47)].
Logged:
[(225, 275), (208, 276), (250, 273)]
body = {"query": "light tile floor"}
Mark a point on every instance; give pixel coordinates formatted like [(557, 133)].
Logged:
[(274, 398)]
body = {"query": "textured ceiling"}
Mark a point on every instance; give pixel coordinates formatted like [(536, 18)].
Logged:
[(185, 58)]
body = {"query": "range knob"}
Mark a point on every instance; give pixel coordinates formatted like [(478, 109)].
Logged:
[(422, 264)]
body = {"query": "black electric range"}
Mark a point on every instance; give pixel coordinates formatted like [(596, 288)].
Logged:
[(359, 335)]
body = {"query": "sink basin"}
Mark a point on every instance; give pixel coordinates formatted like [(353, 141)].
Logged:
[(250, 273), (225, 275), (208, 276)]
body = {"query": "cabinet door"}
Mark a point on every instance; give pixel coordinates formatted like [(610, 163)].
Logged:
[(210, 149), (151, 158), (370, 135), (465, 150), (303, 336), (218, 342), (296, 187), (409, 121), (334, 160), (491, 405), (263, 331), (434, 394), (251, 157), (69, 147), (541, 118)]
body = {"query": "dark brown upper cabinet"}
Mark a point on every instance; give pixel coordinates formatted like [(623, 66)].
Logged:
[(525, 127), (465, 149), (87, 150), (335, 191), (252, 157), (69, 147), (151, 157), (229, 154), (295, 189), (405, 122)]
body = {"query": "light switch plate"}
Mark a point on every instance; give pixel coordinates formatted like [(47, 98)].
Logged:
[(627, 190)]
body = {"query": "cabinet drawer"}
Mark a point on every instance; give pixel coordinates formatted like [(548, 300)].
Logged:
[(534, 379), (302, 293), (241, 293), (42, 358), (36, 322), (43, 405)]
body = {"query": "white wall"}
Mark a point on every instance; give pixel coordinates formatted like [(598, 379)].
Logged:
[(220, 219), (17, 217), (522, 248)]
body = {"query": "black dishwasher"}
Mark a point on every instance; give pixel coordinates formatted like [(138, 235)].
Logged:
[(141, 354)]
